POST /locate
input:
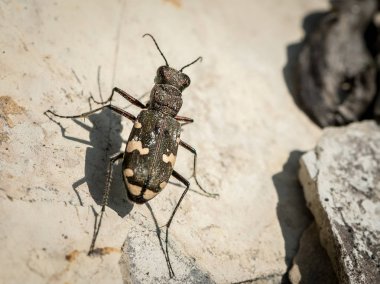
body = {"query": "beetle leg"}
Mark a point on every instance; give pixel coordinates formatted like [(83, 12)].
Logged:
[(107, 190), (187, 184), (192, 150), (83, 115), (124, 94), (185, 119)]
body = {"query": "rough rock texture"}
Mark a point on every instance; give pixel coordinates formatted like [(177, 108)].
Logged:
[(337, 73), (341, 180), (311, 265), (52, 174)]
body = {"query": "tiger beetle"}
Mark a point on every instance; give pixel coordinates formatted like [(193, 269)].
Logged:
[(151, 150)]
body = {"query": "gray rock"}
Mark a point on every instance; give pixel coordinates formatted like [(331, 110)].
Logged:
[(143, 261), (341, 181)]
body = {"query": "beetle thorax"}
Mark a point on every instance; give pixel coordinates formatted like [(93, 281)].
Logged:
[(166, 95), (166, 99)]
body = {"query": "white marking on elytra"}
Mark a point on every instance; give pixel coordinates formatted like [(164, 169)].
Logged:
[(137, 124), (134, 189), (128, 172), (163, 184), (169, 159), (136, 145), (177, 140), (149, 194)]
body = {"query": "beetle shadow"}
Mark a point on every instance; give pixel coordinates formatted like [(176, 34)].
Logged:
[(293, 50), (104, 140), (292, 213)]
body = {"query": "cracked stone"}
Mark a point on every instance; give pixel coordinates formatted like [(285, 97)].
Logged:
[(341, 182)]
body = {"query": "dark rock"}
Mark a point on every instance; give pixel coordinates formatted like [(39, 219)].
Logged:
[(337, 73)]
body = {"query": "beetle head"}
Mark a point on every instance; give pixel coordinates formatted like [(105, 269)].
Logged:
[(173, 77)]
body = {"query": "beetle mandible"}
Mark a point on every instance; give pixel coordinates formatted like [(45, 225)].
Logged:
[(151, 150)]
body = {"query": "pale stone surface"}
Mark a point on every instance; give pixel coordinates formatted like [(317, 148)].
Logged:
[(341, 180), (246, 126)]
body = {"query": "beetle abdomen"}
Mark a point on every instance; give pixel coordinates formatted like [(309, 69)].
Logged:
[(150, 155)]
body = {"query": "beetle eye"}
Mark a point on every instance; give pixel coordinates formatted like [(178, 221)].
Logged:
[(186, 82), (160, 77)]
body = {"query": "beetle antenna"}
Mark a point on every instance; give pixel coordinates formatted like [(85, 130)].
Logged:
[(198, 59), (167, 64)]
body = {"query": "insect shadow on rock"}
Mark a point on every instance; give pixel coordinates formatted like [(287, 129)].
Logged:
[(152, 146), (104, 138)]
